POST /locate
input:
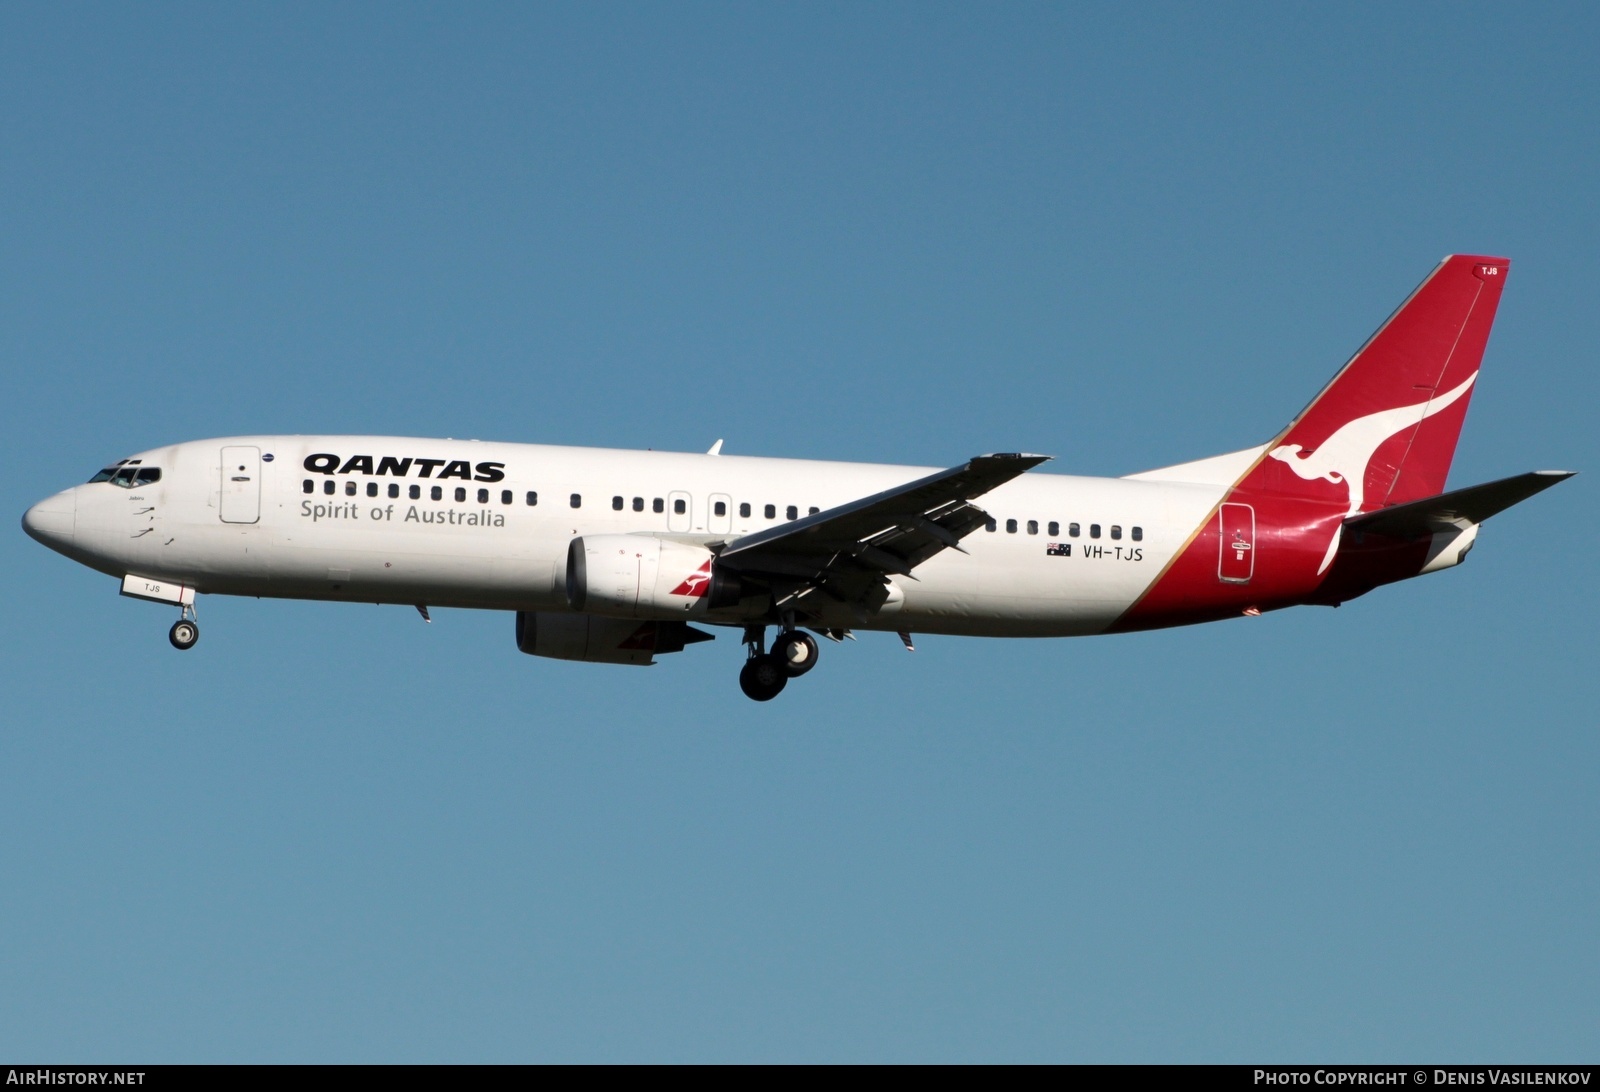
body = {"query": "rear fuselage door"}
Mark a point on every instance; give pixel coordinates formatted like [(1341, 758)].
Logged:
[(241, 485), (1237, 560)]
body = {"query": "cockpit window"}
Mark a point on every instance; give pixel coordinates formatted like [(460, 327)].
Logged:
[(128, 475)]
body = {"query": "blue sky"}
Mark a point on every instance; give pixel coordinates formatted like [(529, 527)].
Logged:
[(897, 233)]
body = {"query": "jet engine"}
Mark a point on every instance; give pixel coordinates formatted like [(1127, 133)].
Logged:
[(640, 576), (601, 640)]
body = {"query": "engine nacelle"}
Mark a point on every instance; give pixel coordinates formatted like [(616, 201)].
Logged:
[(600, 640), (640, 576)]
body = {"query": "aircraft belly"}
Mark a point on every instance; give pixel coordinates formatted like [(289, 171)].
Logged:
[(408, 568), (1020, 590), (997, 622), (493, 583)]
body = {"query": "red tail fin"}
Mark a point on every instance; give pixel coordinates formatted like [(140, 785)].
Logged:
[(1381, 434), (1385, 429)]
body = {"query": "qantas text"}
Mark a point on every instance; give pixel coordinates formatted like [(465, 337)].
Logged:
[(327, 463)]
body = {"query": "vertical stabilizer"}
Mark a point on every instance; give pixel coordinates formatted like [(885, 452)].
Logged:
[(1384, 431)]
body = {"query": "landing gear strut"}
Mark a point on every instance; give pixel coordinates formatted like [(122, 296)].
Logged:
[(185, 631), (762, 677), (765, 674)]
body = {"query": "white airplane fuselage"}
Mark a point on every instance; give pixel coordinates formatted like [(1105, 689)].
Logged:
[(369, 540)]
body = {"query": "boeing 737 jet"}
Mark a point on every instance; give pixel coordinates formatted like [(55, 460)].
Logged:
[(618, 557)]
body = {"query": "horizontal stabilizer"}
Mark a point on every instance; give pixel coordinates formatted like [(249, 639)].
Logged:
[(1473, 504)]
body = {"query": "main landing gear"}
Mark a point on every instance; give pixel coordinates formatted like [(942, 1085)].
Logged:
[(797, 651), (185, 631), (762, 677), (765, 674)]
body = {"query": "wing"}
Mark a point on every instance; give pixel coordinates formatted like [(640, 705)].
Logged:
[(849, 552)]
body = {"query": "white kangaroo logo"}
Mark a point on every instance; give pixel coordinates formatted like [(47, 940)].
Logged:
[(1343, 457)]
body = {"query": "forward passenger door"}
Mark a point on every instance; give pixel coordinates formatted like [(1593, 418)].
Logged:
[(241, 485)]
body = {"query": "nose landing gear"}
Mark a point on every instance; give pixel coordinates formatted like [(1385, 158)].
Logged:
[(185, 631)]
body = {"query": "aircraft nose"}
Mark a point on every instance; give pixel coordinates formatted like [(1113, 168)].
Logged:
[(53, 520)]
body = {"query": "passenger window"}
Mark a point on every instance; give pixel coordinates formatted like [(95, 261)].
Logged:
[(744, 510), (328, 487), (1116, 531), (1138, 534), (658, 506), (148, 476), (1033, 527), (576, 500), (1094, 530), (812, 511), (414, 492), (437, 492), (1053, 529), (720, 508), (533, 498), (638, 504), (372, 489), (989, 524), (461, 494), (616, 504), (679, 506), (1072, 530), (791, 512), (483, 496), (1011, 526), (394, 490), (349, 489), (308, 486), (505, 496), (771, 511)]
